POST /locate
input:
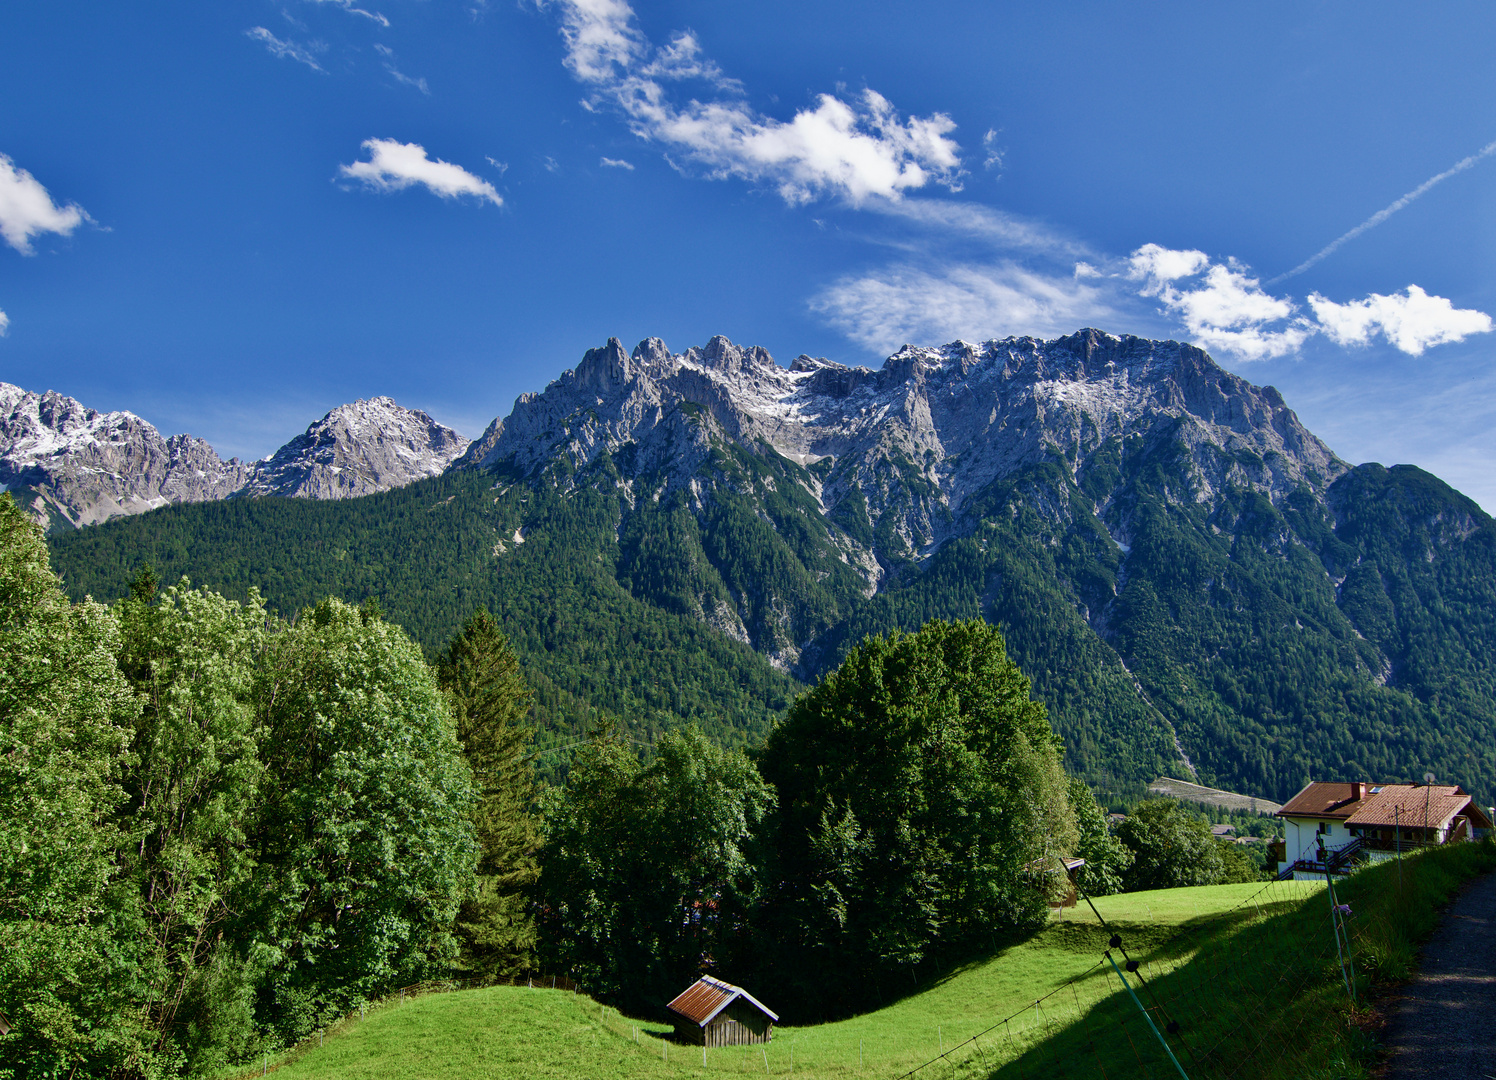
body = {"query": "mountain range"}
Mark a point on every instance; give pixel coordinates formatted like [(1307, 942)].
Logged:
[(1193, 580), (73, 466)]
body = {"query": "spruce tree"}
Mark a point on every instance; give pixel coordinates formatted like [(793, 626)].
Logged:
[(491, 704)]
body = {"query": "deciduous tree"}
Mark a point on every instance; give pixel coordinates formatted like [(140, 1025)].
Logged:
[(68, 917), (919, 786)]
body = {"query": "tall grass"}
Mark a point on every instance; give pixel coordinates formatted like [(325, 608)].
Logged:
[(1262, 993)]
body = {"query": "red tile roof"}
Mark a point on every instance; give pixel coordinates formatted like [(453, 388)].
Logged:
[(706, 997), (1383, 804), (1324, 799), (1407, 804)]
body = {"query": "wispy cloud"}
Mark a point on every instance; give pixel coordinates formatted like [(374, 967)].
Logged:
[(994, 158), (617, 163), (398, 75), (352, 9), (859, 150), (287, 50), (982, 224), (1411, 320), (395, 166), (1383, 214), (4, 324), (27, 209), (903, 304), (1222, 306)]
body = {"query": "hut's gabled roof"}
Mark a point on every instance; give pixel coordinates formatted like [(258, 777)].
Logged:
[(706, 997)]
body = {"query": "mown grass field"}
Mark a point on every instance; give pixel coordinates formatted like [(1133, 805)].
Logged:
[(513, 1032)]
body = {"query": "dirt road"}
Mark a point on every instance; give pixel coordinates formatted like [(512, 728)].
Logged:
[(1444, 1027)]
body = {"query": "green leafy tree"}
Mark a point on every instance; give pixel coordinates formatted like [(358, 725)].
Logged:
[(68, 917), (364, 840), (1238, 864), (491, 705), (1107, 858), (645, 871), (194, 783), (919, 788), (1171, 847)]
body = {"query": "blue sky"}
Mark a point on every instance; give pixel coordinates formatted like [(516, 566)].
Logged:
[(230, 217)]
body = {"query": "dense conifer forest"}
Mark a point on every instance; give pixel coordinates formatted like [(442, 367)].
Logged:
[(1271, 642)]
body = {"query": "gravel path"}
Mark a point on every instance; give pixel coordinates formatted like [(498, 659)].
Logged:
[(1445, 1024)]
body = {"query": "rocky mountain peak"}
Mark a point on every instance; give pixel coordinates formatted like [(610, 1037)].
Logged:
[(915, 441), (73, 466), (357, 449)]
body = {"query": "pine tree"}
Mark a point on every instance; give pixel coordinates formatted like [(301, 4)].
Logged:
[(491, 704)]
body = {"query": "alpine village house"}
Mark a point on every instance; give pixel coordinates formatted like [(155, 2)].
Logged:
[(1332, 827)]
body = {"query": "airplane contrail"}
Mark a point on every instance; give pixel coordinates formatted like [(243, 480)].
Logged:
[(1382, 215)]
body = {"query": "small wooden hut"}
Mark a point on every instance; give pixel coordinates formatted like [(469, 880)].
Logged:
[(715, 1013)]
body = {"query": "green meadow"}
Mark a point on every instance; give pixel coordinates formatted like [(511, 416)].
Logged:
[(1250, 971), (514, 1032)]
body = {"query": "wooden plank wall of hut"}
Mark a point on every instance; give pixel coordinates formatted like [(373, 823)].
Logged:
[(727, 1030)]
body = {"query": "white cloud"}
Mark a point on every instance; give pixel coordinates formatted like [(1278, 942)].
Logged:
[(400, 77), (26, 209), (1411, 320), (617, 163), (972, 302), (287, 50), (348, 6), (4, 324), (859, 150), (975, 222), (502, 166), (1223, 307), (395, 166)]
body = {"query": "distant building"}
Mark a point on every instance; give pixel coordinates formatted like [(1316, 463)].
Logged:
[(711, 1012), (1223, 832), (1358, 822)]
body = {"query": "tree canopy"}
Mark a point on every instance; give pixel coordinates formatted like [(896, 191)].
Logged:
[(645, 873), (917, 784)]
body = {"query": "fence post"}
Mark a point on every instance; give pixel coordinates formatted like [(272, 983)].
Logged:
[(1158, 1034)]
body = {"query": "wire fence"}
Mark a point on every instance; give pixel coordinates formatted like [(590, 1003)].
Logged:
[(1236, 995)]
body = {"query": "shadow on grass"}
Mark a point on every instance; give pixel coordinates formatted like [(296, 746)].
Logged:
[(1259, 992)]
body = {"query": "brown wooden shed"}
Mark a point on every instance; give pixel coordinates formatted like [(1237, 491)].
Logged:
[(715, 1013)]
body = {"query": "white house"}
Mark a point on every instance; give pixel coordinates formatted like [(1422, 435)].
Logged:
[(1359, 822)]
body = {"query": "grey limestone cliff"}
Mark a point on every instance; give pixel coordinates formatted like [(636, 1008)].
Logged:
[(73, 466)]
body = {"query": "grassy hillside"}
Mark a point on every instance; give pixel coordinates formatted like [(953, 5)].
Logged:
[(1249, 971), (513, 1032)]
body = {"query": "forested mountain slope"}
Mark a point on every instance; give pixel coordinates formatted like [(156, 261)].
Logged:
[(1177, 562)]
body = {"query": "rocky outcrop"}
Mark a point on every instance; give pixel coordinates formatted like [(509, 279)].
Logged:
[(76, 466)]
